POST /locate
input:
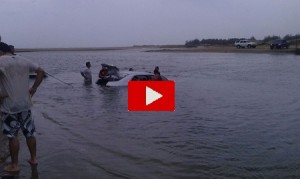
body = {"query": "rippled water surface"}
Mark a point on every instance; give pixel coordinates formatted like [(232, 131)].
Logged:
[(237, 116)]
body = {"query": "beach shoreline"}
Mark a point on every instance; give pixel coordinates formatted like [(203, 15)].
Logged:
[(172, 48), (69, 49)]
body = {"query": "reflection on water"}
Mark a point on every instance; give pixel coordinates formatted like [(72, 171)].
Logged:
[(16, 175), (34, 172), (236, 117)]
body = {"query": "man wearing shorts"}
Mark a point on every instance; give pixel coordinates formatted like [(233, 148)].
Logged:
[(15, 109)]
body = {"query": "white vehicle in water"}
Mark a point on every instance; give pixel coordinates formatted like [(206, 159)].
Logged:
[(245, 44), (121, 78), (127, 76)]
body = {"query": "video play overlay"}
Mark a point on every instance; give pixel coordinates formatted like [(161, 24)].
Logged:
[(151, 96)]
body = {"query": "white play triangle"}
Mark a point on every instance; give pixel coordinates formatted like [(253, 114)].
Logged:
[(151, 95)]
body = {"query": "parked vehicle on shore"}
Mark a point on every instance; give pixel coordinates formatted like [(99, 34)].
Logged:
[(279, 44), (245, 44)]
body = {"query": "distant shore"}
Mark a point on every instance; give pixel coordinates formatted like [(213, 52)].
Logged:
[(173, 48), (69, 49), (223, 49)]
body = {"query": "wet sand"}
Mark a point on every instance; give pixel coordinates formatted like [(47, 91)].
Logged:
[(3, 148)]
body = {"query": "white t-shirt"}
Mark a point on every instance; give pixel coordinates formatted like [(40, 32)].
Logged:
[(14, 83), (87, 74)]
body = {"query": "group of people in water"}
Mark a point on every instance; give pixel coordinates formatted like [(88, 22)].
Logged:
[(111, 73)]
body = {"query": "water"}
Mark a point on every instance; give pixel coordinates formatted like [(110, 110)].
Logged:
[(237, 116)]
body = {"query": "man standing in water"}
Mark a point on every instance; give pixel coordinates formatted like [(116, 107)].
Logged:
[(156, 74), (156, 70), (87, 74), (16, 103)]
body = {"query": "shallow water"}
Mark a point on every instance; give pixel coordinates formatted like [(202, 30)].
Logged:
[(237, 116)]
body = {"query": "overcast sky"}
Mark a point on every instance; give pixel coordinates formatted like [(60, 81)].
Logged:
[(111, 23)]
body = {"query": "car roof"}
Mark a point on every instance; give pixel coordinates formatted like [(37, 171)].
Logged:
[(135, 73), (109, 66)]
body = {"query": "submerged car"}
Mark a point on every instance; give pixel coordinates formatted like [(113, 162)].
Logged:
[(127, 76), (114, 77), (279, 44)]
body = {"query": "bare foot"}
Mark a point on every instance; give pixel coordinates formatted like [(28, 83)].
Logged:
[(11, 168), (32, 163)]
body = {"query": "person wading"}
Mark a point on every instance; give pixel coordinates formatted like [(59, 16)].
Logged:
[(87, 74)]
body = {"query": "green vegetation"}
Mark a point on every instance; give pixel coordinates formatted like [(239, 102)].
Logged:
[(196, 42)]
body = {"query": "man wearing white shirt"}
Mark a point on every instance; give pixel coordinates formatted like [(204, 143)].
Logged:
[(16, 103)]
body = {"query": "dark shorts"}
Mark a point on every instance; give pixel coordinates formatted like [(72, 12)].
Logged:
[(11, 123)]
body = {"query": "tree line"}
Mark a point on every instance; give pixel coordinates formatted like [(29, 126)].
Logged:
[(266, 40)]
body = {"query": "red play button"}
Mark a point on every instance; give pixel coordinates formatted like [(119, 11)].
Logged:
[(151, 95)]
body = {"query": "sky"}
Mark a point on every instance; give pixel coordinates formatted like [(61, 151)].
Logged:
[(119, 23)]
